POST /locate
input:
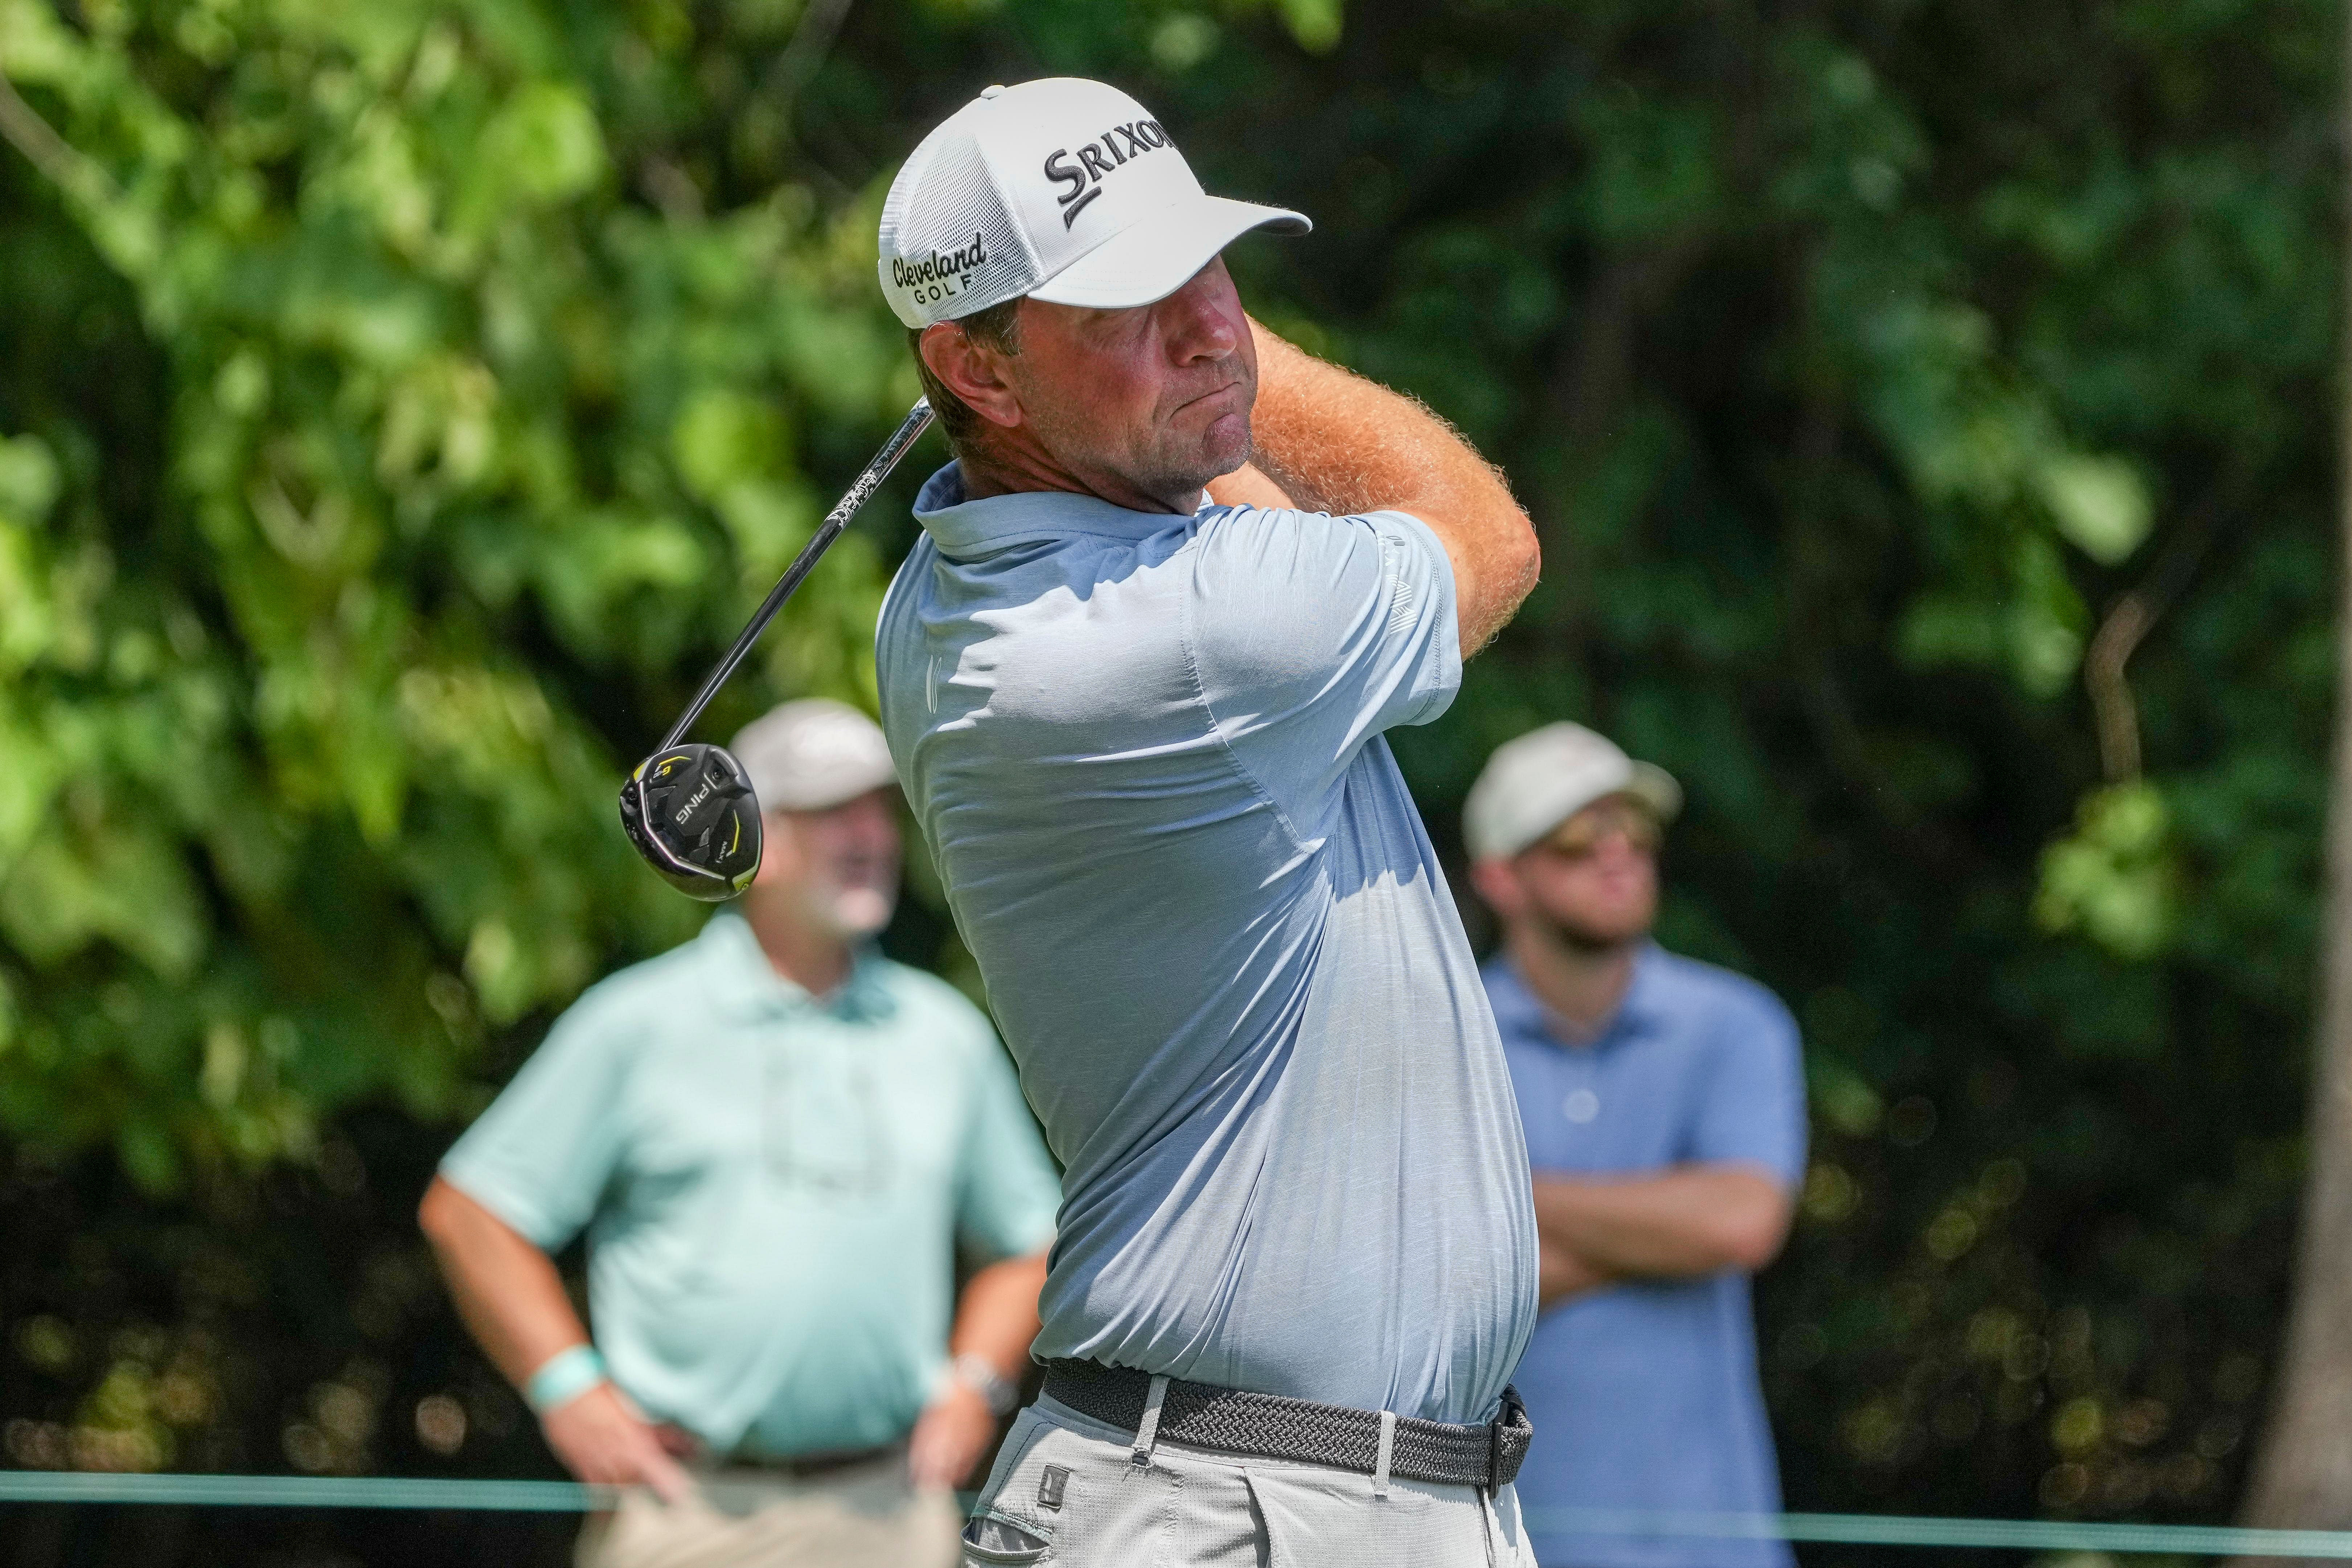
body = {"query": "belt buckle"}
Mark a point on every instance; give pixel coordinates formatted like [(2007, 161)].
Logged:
[(1507, 1421)]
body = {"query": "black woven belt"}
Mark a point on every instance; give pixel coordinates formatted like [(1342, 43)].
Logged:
[(1269, 1427)]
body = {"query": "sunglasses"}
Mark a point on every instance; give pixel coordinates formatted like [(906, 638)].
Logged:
[(1581, 836)]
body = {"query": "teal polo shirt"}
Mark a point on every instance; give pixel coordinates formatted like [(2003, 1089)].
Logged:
[(772, 1183)]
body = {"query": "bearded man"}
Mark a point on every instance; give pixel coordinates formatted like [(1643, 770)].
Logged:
[(1665, 1108), (775, 1140)]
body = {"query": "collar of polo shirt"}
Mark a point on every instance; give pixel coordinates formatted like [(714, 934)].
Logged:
[(745, 985), (993, 521), (1518, 1010)]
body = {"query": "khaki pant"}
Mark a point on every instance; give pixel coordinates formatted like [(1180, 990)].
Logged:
[(1067, 1493), (867, 1517)]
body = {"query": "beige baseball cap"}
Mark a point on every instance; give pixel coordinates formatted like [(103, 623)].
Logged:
[(1534, 783), (813, 755)]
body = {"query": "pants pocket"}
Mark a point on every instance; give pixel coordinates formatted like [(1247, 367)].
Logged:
[(1028, 1429), (988, 1542)]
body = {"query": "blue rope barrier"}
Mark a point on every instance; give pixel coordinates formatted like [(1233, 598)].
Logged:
[(305, 1491), (1897, 1529), (1841, 1529)]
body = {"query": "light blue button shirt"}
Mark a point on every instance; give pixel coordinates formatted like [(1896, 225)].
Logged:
[(774, 1185), (1145, 752), (1644, 1396)]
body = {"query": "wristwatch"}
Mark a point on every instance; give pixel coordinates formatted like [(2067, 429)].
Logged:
[(976, 1373)]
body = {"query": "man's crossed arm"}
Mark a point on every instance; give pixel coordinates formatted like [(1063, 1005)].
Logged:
[(1687, 1221)]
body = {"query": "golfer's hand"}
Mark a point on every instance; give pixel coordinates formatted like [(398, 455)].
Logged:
[(950, 1436), (603, 1441), (1248, 486)]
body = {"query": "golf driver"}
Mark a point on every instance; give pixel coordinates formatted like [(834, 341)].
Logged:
[(688, 808)]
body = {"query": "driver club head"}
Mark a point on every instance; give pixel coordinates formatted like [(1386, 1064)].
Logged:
[(691, 812), (689, 808)]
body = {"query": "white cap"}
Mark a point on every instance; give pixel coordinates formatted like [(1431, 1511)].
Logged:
[(1064, 190), (1534, 783), (813, 755)]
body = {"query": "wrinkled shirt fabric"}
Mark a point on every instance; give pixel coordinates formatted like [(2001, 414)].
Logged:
[(1146, 754)]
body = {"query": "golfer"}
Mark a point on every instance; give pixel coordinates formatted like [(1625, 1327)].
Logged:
[(1141, 729), (774, 1138)]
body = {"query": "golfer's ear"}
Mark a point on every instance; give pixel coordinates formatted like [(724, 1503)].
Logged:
[(972, 370)]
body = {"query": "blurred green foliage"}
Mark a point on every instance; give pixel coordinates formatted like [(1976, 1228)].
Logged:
[(452, 445), (402, 403)]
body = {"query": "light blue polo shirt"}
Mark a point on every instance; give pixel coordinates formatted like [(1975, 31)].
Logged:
[(774, 1185), (1145, 752), (1644, 1396)]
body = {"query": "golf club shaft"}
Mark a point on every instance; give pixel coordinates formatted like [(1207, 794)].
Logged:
[(860, 491)]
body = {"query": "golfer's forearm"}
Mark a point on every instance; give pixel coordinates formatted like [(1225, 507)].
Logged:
[(1698, 1219), (1337, 443), (507, 1291), (997, 1319)]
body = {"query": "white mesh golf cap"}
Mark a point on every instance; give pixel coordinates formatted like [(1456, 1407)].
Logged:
[(813, 755), (1063, 189), (1534, 783)]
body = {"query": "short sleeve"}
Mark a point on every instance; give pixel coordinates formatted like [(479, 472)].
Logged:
[(540, 1157), (1311, 634), (1753, 1108), (1007, 1193)]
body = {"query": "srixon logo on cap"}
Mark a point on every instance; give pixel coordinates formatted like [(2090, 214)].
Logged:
[(1096, 160), (943, 274)]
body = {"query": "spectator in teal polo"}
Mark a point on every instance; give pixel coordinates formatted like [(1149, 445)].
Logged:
[(774, 1139), (1664, 1105)]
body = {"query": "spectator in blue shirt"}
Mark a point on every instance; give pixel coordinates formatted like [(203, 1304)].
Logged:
[(1663, 1104)]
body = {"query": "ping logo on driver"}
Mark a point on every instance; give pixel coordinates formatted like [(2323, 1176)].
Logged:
[(697, 798)]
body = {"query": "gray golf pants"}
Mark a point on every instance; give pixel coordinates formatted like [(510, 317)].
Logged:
[(1066, 1491)]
